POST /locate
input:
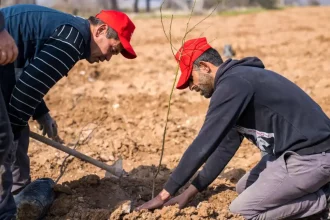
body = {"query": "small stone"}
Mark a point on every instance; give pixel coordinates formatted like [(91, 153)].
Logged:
[(122, 209), (92, 180), (63, 189), (74, 184), (205, 210), (126, 207), (111, 158), (90, 79), (115, 106), (80, 199), (104, 158)]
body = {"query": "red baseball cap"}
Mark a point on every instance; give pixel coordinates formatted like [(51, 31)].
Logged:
[(124, 27), (189, 52)]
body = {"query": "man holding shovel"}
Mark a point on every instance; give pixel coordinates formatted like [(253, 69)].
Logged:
[(49, 44), (8, 54), (269, 110)]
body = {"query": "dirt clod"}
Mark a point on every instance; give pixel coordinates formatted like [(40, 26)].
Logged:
[(92, 180), (61, 206), (62, 189)]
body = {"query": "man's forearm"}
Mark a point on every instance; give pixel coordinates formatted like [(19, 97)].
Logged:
[(218, 160)]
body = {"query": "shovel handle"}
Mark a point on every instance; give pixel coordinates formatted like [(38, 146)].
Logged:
[(74, 153)]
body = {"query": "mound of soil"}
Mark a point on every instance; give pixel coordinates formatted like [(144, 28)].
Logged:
[(93, 198)]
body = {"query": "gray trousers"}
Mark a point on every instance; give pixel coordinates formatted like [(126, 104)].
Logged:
[(287, 187), (7, 204), (14, 163), (20, 165), (16, 169)]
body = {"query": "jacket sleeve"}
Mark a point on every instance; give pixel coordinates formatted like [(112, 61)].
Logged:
[(218, 160), (228, 102), (41, 109), (58, 55)]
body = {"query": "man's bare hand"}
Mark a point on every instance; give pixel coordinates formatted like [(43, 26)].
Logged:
[(8, 48), (183, 198), (156, 202)]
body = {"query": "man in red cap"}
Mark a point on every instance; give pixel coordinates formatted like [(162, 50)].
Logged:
[(49, 44), (291, 180)]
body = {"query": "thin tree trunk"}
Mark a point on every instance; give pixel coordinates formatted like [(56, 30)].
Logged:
[(136, 6), (114, 4), (148, 5), (25, 2)]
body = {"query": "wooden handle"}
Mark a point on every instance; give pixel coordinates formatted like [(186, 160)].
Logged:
[(75, 153)]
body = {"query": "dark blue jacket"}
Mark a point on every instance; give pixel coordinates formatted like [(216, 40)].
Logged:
[(32, 25), (261, 105)]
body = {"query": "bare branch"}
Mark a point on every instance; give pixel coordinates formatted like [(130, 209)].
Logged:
[(164, 134), (170, 98), (204, 18), (191, 12), (170, 33), (161, 19), (167, 37), (204, 31), (175, 79)]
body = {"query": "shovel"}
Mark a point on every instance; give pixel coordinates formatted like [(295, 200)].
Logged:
[(115, 170)]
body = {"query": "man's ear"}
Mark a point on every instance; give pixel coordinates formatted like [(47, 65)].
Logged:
[(204, 66), (102, 29)]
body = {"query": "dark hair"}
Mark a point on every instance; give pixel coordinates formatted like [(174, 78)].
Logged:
[(111, 33), (211, 56)]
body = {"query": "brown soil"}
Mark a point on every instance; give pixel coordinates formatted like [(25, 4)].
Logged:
[(121, 107)]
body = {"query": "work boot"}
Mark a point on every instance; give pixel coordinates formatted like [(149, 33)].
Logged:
[(35, 199)]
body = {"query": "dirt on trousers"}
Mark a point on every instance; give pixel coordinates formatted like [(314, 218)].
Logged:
[(117, 109)]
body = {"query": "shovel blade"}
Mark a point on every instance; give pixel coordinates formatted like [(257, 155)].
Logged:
[(119, 171)]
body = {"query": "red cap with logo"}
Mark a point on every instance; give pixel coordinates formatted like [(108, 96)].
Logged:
[(189, 52), (124, 27)]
